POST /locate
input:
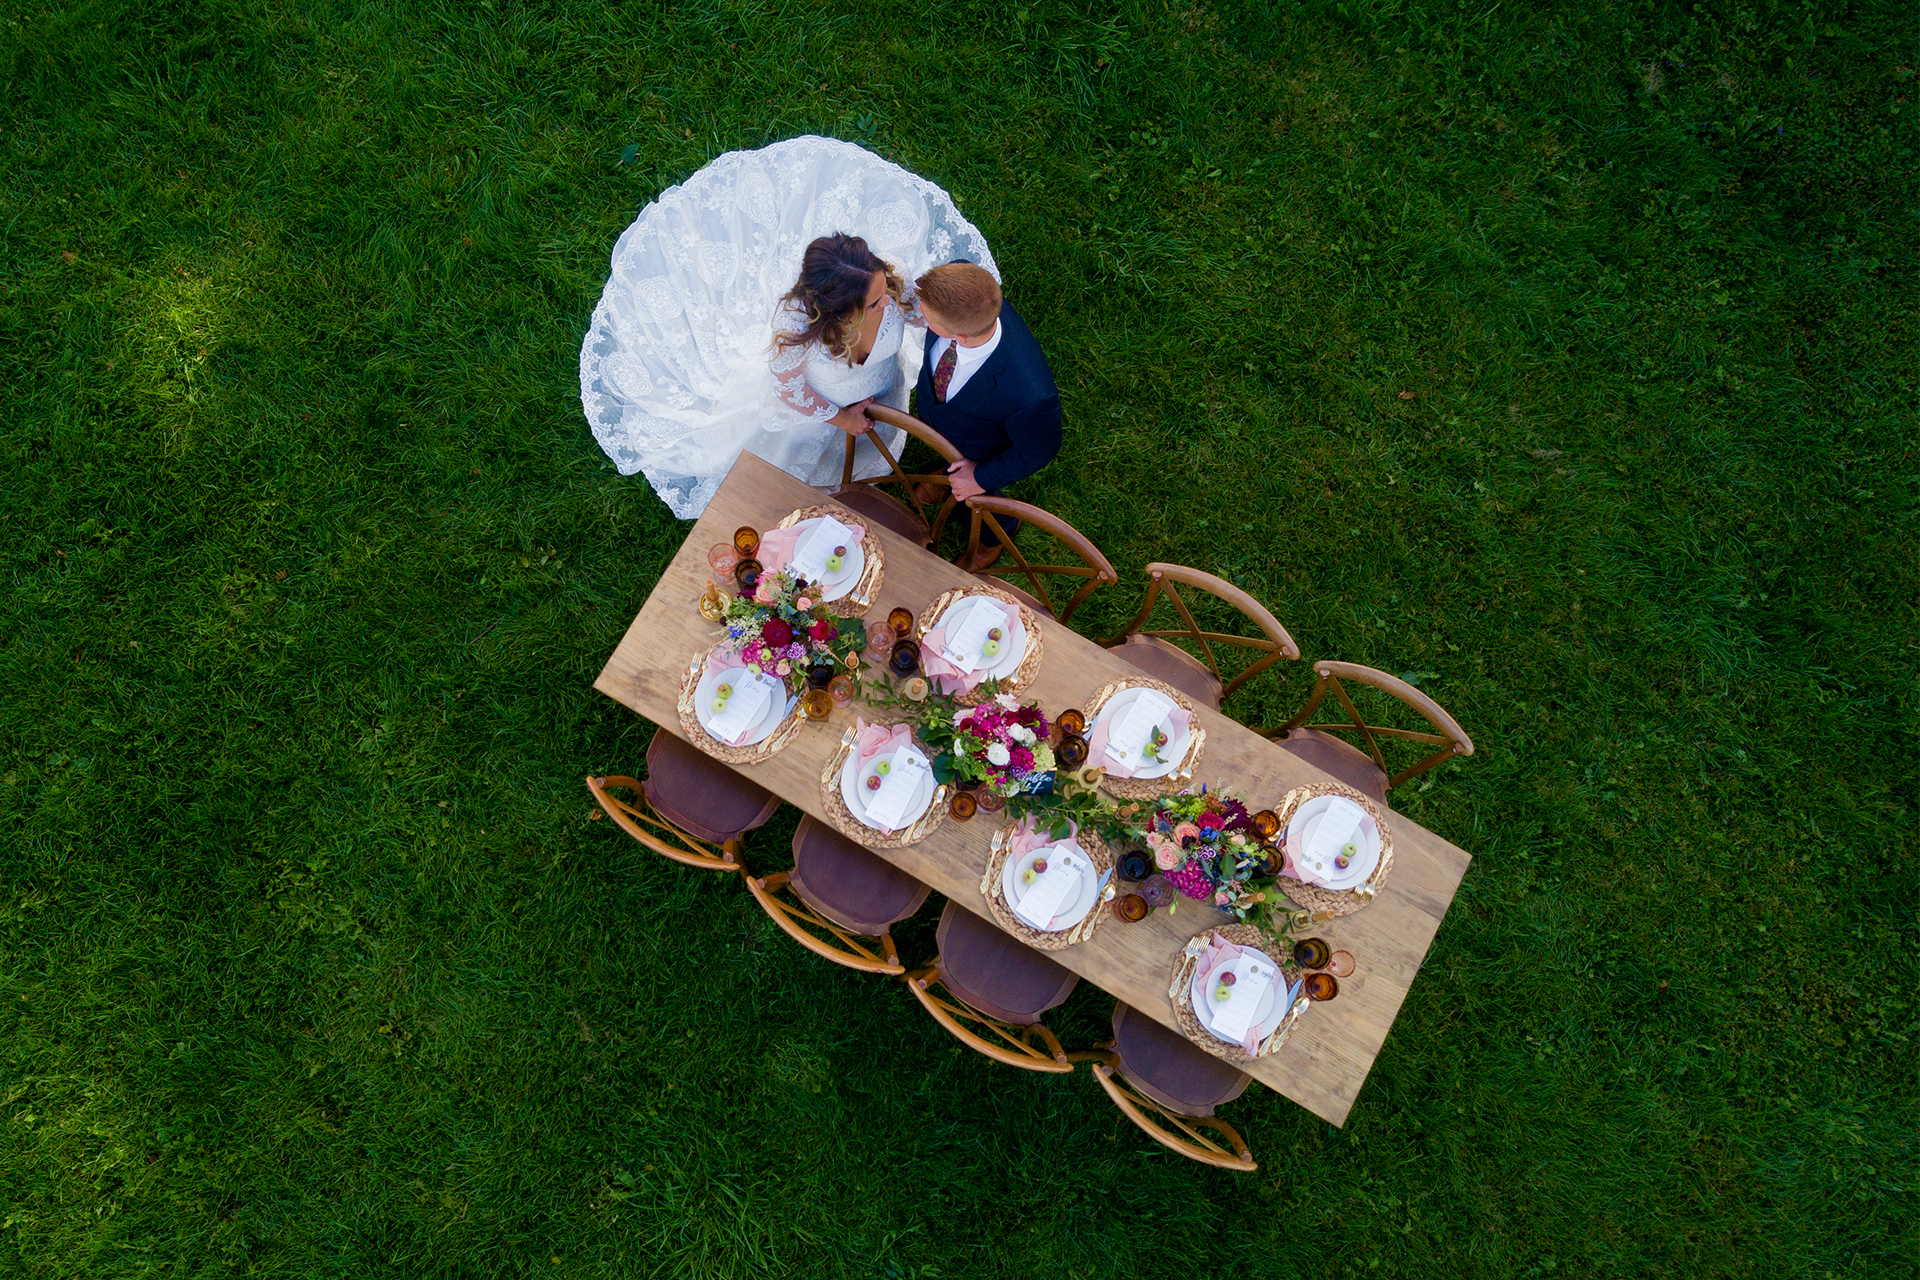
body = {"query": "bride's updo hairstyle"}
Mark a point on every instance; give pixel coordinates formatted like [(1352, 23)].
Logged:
[(835, 274), (962, 294)]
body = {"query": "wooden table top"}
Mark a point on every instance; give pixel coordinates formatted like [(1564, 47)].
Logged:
[(1324, 1063)]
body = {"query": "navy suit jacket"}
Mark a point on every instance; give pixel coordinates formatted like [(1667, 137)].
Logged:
[(1006, 418)]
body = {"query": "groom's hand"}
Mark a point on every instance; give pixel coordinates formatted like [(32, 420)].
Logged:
[(964, 485)]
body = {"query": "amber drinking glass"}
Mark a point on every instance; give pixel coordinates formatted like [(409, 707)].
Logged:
[(819, 704), (1321, 986), (905, 658), (1072, 751), (1311, 953), (1132, 908), (962, 806), (747, 574), (901, 620), (1070, 723), (1266, 825), (746, 540), (721, 557), (1340, 964), (820, 674), (989, 800), (840, 688), (1157, 890)]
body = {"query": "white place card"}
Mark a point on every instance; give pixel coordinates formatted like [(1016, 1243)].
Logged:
[(1045, 896), (1125, 739), (888, 806), (744, 708), (1251, 978), (966, 637), (1341, 818), (816, 544)]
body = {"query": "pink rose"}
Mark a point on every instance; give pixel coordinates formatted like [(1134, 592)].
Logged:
[(766, 591), (1221, 898), (804, 604), (782, 668)]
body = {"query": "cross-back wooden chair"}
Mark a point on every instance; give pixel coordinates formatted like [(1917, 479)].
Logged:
[(840, 901), (1155, 653), (992, 989), (998, 519), (1223, 1149), (1367, 770), (905, 515), (689, 807), (1169, 1086), (1031, 1048)]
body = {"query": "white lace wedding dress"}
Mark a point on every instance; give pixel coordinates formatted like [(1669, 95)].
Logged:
[(678, 372)]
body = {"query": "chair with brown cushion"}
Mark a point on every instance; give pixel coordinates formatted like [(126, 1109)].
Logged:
[(1200, 677), (846, 899), (691, 808), (993, 989), (1366, 771), (906, 515), (990, 521), (1169, 1087)]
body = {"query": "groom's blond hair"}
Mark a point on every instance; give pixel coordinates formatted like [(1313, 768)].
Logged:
[(964, 294)]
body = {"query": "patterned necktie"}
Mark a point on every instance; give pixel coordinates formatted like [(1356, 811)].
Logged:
[(943, 372)]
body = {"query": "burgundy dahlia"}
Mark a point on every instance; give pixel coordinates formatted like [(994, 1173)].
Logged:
[(776, 632)]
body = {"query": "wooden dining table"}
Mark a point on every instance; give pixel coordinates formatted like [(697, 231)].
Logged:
[(1327, 1058)]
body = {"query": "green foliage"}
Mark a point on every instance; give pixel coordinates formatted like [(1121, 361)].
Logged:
[(1558, 358)]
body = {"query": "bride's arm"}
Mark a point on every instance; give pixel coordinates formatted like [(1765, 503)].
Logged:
[(789, 370)]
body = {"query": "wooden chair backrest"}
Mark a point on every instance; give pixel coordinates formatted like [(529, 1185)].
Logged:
[(1096, 569), (1155, 1120), (1274, 640), (1031, 1048), (1448, 735), (645, 825), (920, 431), (805, 925)]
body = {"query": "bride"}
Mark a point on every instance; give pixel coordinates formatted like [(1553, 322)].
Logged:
[(759, 306)]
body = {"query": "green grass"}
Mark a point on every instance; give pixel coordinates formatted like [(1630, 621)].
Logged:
[(311, 963)]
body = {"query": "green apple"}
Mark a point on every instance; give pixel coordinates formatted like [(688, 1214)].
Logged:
[(1347, 851), (1222, 993), (834, 563), (991, 648), (725, 691), (1028, 876), (719, 705), (883, 768)]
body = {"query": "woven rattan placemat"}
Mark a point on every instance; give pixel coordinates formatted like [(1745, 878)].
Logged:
[(697, 734), (1148, 788), (1002, 910), (1029, 665), (859, 832), (857, 601), (1180, 992), (1338, 902)]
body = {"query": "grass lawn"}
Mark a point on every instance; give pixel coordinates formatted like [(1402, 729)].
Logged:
[(1564, 360)]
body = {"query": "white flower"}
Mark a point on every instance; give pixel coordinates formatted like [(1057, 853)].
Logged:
[(1008, 701), (1021, 734), (998, 755)]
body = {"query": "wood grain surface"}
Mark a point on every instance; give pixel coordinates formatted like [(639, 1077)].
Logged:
[(1327, 1060)]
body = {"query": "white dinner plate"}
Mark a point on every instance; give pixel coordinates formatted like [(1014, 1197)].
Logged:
[(777, 707), (853, 789), (1366, 844), (1265, 1018), (1009, 660), (852, 565), (1012, 888), (1170, 755)]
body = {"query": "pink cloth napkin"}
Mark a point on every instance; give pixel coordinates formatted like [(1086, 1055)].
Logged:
[(875, 738), (1026, 838), (1288, 867), (776, 546), (946, 677), (1177, 719), (718, 660)]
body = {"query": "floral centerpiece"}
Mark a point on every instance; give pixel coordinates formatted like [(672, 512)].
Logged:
[(783, 628), (1002, 746), (1203, 842)]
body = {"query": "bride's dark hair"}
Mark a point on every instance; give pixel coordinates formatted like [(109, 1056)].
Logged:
[(835, 274)]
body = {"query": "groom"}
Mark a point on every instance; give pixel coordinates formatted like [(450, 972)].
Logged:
[(984, 386)]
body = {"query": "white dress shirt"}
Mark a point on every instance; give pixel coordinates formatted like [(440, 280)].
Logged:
[(968, 360)]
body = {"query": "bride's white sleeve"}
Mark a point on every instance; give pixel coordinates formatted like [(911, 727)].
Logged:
[(789, 370)]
